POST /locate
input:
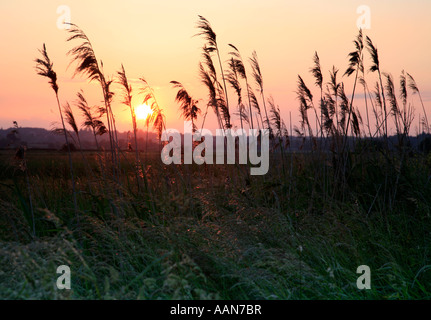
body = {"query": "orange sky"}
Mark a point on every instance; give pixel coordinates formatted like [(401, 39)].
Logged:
[(153, 39)]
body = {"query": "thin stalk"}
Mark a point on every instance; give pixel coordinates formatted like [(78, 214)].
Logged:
[(75, 204)]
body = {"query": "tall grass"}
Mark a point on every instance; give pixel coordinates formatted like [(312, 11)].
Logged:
[(211, 45), (238, 65), (88, 65), (44, 68), (188, 105)]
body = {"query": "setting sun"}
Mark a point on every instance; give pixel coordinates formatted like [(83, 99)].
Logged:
[(143, 111)]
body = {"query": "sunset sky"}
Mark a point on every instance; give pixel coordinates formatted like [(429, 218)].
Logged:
[(154, 40)]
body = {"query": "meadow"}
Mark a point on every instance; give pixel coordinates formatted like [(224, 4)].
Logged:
[(195, 236), (131, 227)]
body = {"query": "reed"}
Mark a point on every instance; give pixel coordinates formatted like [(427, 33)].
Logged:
[(258, 78), (44, 68), (187, 104), (206, 31), (87, 64), (238, 64)]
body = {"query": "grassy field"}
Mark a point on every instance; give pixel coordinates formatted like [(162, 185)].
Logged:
[(212, 232)]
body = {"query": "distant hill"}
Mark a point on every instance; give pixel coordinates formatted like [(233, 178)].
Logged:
[(39, 138)]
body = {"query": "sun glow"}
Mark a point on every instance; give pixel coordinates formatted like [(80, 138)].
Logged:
[(143, 111)]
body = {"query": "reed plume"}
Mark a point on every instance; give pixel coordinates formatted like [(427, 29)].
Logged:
[(221, 105), (213, 99), (70, 118), (375, 66), (332, 95), (127, 100), (390, 89), (240, 68), (403, 88), (355, 66), (159, 122), (304, 96), (157, 112), (316, 71), (278, 123), (403, 95), (232, 78), (242, 114), (188, 105), (211, 46), (344, 107), (413, 86), (257, 75), (255, 105), (91, 121)]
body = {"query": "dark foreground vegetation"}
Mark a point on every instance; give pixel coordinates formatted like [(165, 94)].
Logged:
[(206, 232)]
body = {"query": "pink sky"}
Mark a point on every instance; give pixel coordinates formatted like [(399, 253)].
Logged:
[(153, 39)]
